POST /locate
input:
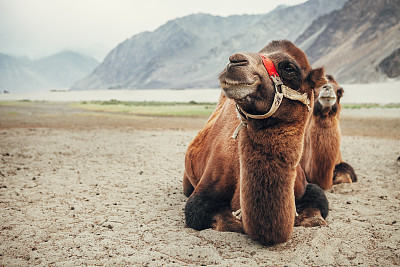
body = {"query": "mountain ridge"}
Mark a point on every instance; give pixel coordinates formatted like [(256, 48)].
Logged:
[(189, 52), (355, 40), (58, 71)]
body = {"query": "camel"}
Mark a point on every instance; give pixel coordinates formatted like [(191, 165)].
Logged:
[(321, 159), (265, 102)]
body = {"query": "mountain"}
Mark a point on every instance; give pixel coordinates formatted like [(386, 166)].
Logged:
[(358, 43), (16, 75), (157, 59), (189, 52), (66, 67), (59, 71)]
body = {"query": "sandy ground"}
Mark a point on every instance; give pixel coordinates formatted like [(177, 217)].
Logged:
[(81, 188)]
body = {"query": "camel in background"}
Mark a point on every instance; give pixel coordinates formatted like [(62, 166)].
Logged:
[(321, 159)]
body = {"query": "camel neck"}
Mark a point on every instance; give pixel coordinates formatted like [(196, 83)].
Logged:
[(266, 185), (275, 141)]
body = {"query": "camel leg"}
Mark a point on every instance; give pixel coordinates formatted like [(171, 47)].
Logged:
[(187, 186), (344, 173), (209, 209), (312, 208)]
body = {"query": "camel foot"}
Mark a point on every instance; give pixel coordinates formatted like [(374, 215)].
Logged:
[(310, 222), (310, 218), (344, 173), (226, 222), (313, 202), (342, 178)]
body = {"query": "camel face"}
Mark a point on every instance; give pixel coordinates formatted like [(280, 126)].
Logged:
[(327, 97), (328, 100), (246, 80)]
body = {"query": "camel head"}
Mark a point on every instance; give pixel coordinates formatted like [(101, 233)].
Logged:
[(327, 98), (246, 80)]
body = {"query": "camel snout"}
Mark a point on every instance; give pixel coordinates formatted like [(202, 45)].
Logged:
[(239, 79), (238, 59), (327, 96)]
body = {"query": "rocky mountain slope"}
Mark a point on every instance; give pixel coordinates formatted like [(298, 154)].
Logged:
[(59, 71), (189, 52), (358, 43)]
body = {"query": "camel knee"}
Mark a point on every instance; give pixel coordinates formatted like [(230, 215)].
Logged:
[(200, 209)]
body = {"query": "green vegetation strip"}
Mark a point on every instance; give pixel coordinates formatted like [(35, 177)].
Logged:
[(359, 106), (16, 103), (150, 108)]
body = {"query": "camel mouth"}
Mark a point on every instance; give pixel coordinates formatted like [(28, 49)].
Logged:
[(327, 97), (239, 90), (226, 84), (327, 101)]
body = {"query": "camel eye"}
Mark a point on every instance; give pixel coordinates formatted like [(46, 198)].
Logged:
[(291, 74), (289, 69)]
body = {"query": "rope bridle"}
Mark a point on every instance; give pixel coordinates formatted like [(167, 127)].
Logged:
[(285, 92)]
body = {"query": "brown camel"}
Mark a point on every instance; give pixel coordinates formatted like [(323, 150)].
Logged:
[(321, 159), (255, 172)]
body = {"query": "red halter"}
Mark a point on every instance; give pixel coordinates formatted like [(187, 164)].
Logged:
[(269, 65)]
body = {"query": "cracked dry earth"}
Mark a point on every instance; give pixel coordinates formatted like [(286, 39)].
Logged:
[(81, 188)]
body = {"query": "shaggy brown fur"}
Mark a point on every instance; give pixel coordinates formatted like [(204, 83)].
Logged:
[(255, 173), (321, 159)]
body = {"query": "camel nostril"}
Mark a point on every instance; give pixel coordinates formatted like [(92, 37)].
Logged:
[(238, 59), (327, 87)]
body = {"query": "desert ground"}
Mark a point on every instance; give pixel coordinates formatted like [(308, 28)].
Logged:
[(84, 188)]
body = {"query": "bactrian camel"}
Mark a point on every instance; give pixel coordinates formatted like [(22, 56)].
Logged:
[(247, 155)]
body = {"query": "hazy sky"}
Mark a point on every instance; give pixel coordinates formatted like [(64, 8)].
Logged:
[(37, 28)]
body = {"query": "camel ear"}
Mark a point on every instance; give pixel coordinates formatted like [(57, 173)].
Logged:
[(317, 78), (330, 78), (340, 92)]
